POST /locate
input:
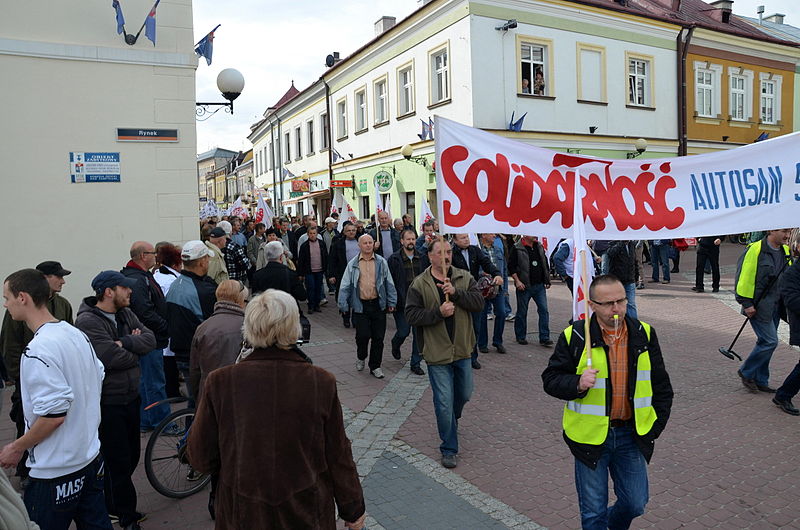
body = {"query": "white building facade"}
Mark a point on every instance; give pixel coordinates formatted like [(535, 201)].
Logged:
[(73, 83)]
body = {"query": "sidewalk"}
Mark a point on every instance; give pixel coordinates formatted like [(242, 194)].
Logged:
[(725, 460)]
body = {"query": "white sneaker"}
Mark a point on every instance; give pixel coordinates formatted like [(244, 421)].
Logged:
[(490, 316), (324, 301), (377, 372), (510, 318), (359, 365)]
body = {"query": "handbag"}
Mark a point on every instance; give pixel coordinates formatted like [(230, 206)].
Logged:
[(487, 287)]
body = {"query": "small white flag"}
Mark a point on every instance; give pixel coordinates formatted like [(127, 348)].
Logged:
[(581, 257)]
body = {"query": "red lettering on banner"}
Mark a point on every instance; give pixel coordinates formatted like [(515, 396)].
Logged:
[(604, 195)]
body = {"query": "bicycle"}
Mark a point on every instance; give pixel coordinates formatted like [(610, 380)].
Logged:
[(741, 239), (165, 461)]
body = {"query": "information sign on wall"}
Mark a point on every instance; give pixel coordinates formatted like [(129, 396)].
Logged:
[(94, 167)]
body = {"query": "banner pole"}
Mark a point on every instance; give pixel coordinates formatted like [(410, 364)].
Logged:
[(445, 267), (584, 278)]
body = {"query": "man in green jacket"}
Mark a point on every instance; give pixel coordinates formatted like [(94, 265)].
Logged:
[(439, 303), (15, 336)]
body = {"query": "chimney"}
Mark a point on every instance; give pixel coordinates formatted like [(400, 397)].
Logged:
[(383, 24), (777, 18), (723, 10)]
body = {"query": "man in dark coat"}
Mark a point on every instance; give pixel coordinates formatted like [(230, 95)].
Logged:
[(405, 265), (312, 262), (621, 257), (343, 249), (387, 239), (790, 295), (150, 306), (707, 252), (276, 275)]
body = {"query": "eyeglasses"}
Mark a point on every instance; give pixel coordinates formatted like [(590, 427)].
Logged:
[(153, 253), (621, 301)]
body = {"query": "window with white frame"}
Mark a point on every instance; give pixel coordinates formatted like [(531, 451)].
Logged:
[(341, 118), (533, 69), (739, 97), (405, 90), (297, 143), (704, 84), (256, 163), (287, 148), (323, 131), (439, 75), (381, 101), (310, 136), (639, 79), (361, 109), (769, 101)]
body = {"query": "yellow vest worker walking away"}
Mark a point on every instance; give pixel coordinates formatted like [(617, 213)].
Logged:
[(618, 401)]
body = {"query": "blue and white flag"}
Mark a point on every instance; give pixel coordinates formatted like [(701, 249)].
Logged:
[(516, 126), (205, 48), (120, 17)]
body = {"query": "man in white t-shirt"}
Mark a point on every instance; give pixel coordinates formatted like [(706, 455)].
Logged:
[(61, 379)]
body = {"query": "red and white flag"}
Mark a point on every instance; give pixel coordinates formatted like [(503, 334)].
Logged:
[(238, 210), (263, 213), (425, 213), (348, 214), (582, 260)]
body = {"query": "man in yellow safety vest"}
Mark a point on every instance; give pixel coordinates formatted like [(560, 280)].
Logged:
[(757, 274), (618, 397)]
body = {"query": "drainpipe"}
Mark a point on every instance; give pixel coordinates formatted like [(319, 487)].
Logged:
[(279, 164), (683, 50), (328, 128), (272, 168)]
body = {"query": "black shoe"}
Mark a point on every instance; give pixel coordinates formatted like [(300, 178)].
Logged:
[(698, 289), (417, 370), (522, 341), (786, 406), (768, 389), (547, 342), (476, 365), (396, 352), (483, 350), (449, 461), (715, 290), (310, 310), (749, 384), (500, 348), (673, 271)]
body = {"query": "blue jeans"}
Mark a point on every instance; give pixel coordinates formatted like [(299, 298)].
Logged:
[(628, 468), (498, 303), (756, 366), (659, 255), (152, 388), (55, 503), (539, 295), (314, 281), (403, 331), (452, 387), (630, 294)]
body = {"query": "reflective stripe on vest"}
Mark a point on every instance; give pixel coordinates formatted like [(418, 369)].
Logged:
[(586, 419), (746, 286)]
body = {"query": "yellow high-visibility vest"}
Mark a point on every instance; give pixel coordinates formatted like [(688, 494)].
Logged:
[(586, 419), (746, 286)]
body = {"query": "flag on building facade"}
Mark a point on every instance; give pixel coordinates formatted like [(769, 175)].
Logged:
[(120, 17), (205, 48), (582, 260), (150, 24), (516, 126)]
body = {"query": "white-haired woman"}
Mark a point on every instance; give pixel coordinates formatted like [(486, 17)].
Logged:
[(271, 426)]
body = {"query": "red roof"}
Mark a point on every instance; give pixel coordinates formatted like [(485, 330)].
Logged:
[(287, 97)]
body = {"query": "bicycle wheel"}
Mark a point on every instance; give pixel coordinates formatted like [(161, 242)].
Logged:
[(164, 458)]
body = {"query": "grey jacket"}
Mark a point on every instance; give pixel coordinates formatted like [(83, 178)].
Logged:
[(216, 343), (121, 363), (348, 290)]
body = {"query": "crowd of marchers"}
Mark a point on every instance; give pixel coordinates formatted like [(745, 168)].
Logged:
[(222, 318)]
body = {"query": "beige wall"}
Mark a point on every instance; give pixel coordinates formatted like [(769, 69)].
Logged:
[(73, 81)]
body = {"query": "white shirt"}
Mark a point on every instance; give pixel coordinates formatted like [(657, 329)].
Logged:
[(60, 373)]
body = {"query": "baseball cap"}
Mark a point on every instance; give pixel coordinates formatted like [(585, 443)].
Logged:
[(225, 225), (217, 232), (52, 267), (195, 250), (109, 280), (330, 220)]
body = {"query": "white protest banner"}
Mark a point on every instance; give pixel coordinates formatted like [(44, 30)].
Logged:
[(263, 212), (487, 183)]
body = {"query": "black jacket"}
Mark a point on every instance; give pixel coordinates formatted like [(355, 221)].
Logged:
[(477, 261), (183, 300), (395, 235), (276, 275), (790, 294), (337, 259), (622, 261), (561, 381), (121, 363), (705, 245), (303, 262), (149, 304), (398, 271)]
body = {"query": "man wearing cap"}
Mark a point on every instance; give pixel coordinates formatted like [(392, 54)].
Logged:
[(190, 301), (15, 336), (217, 270), (236, 260), (150, 306), (119, 339)]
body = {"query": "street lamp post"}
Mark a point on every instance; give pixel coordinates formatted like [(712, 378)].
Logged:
[(231, 83)]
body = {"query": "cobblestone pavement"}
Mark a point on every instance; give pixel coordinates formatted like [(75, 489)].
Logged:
[(726, 460)]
